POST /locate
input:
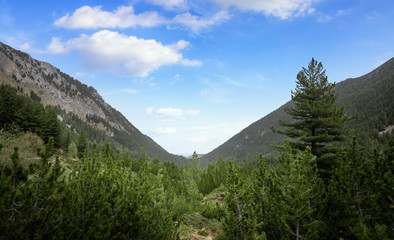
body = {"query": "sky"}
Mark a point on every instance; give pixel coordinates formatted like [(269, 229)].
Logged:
[(193, 73)]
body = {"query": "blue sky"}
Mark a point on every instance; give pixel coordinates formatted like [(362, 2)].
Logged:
[(193, 73)]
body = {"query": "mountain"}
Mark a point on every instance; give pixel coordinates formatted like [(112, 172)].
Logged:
[(371, 96), (74, 100)]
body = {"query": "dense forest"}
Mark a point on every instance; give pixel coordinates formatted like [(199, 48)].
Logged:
[(324, 185)]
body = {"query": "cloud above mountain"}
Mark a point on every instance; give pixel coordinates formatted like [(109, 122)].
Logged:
[(171, 112), (122, 54), (87, 17), (125, 55), (94, 17)]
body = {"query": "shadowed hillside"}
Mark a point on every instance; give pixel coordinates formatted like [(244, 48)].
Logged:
[(371, 96)]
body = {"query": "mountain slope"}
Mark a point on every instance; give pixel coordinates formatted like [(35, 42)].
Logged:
[(371, 96), (56, 88)]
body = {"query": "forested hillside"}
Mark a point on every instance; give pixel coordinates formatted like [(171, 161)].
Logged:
[(370, 96), (81, 106)]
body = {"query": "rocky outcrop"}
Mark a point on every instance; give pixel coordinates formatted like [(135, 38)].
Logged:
[(56, 88)]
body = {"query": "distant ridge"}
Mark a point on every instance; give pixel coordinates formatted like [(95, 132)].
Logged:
[(371, 96), (56, 88)]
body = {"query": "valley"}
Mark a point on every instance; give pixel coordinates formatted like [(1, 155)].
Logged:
[(72, 166)]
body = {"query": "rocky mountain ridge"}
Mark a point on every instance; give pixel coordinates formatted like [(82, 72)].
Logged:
[(53, 86), (56, 88)]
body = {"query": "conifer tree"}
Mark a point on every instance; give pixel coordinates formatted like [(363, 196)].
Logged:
[(266, 210), (72, 150), (240, 221), (358, 196), (10, 103), (82, 143), (384, 187), (318, 122), (300, 195), (51, 127)]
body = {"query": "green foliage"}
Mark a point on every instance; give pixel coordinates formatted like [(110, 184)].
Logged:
[(213, 177), (30, 116), (318, 121), (104, 196), (370, 96), (97, 199), (27, 143), (284, 203), (301, 195), (34, 96), (82, 143), (360, 195), (266, 194), (72, 150), (240, 220)]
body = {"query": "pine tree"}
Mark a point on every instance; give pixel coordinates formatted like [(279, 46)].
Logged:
[(300, 195), (318, 122), (51, 127), (10, 103), (82, 143), (359, 201), (266, 210), (240, 221), (384, 187)]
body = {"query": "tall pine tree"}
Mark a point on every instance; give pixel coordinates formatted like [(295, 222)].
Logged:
[(317, 121), (82, 143)]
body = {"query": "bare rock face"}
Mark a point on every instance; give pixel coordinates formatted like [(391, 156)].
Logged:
[(57, 88)]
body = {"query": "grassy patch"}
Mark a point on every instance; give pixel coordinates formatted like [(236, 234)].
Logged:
[(196, 226), (28, 143)]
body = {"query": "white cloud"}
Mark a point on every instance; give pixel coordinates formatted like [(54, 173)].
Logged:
[(171, 112), (25, 46), (190, 63), (177, 78), (168, 130), (192, 112), (344, 12), (130, 91), (196, 23), (170, 4), (278, 8), (324, 18), (122, 17), (87, 17), (56, 46), (82, 74), (149, 110), (122, 54)]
